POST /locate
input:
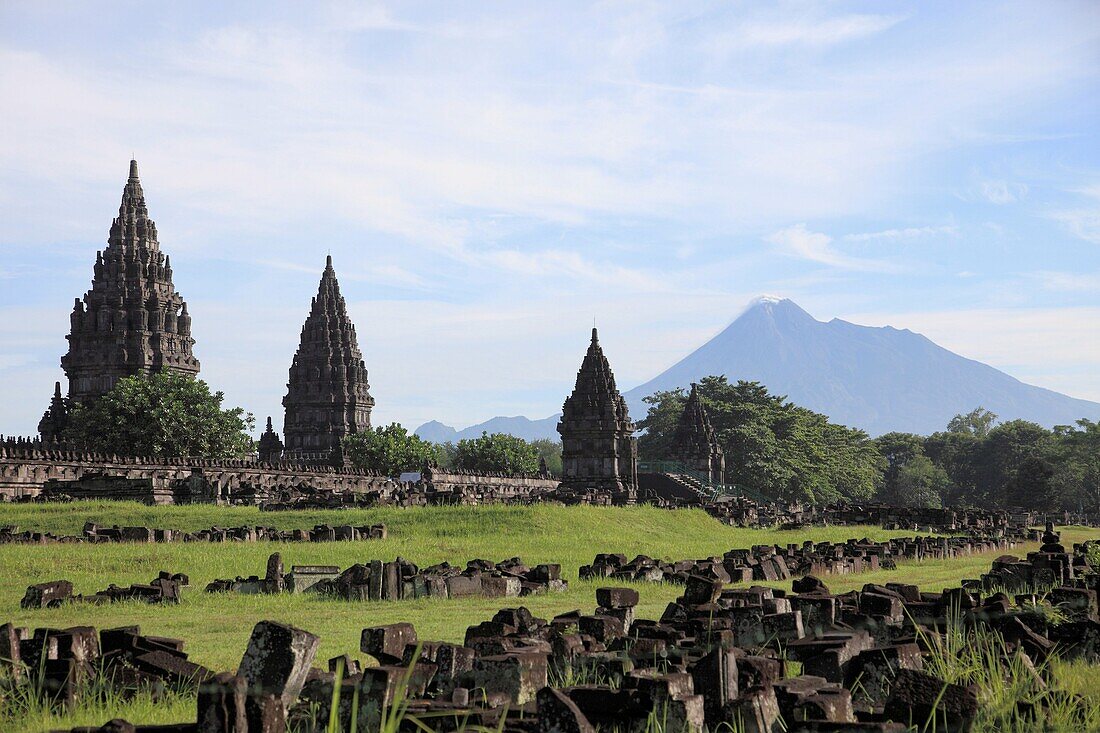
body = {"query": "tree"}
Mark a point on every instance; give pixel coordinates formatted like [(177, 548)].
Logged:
[(390, 450), (162, 414), (897, 451), (920, 483), (999, 457), (549, 451), (1032, 487), (773, 446), (1076, 455), (496, 452), (978, 422)]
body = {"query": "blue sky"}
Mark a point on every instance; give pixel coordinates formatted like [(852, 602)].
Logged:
[(491, 177)]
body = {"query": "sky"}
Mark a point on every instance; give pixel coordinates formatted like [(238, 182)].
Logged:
[(492, 178)]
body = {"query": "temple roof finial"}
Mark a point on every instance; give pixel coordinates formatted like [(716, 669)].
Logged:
[(133, 170)]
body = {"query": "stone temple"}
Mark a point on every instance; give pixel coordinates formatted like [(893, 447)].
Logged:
[(328, 395), (695, 443), (598, 446), (132, 321)]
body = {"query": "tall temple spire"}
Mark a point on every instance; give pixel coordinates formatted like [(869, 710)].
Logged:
[(695, 443), (129, 321), (328, 396), (598, 447)]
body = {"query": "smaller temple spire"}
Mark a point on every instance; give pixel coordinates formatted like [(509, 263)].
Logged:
[(270, 448), (695, 442), (56, 418)]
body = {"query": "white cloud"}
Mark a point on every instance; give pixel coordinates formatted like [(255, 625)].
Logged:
[(814, 31), (907, 233), (1083, 221), (1002, 192), (799, 241)]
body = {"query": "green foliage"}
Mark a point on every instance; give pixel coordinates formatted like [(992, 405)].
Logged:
[(791, 453), (978, 422), (390, 450), (496, 452), (920, 483), (967, 655), (164, 414), (771, 445), (549, 451)]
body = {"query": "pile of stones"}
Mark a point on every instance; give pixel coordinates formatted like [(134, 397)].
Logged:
[(165, 588), (775, 562), (1048, 567), (400, 579), (62, 663), (717, 656), (94, 533)]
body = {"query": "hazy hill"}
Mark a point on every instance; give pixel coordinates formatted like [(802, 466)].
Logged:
[(519, 426)]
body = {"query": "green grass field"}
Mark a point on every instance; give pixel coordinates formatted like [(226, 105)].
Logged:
[(216, 627)]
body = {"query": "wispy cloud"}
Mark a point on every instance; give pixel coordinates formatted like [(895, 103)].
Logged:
[(1082, 221), (1069, 281), (906, 233), (815, 32), (800, 242), (1002, 192)]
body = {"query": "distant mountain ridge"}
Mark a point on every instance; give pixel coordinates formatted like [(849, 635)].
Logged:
[(879, 379), (519, 426)]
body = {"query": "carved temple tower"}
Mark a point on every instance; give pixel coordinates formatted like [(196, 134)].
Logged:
[(132, 321), (598, 446), (327, 394), (695, 444)]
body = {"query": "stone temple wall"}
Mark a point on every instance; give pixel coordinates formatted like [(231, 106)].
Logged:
[(25, 471), (487, 486), (27, 468)]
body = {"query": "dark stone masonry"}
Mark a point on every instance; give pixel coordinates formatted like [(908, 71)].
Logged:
[(96, 534), (328, 396), (599, 451), (132, 321), (695, 443), (377, 580), (717, 657)]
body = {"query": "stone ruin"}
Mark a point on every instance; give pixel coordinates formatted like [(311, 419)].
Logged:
[(401, 580), (165, 588), (774, 562), (716, 656), (94, 533)]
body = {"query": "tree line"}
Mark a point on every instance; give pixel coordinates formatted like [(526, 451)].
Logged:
[(772, 446), (392, 450), (788, 452)]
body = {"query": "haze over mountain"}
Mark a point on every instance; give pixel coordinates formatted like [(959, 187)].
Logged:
[(877, 379)]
